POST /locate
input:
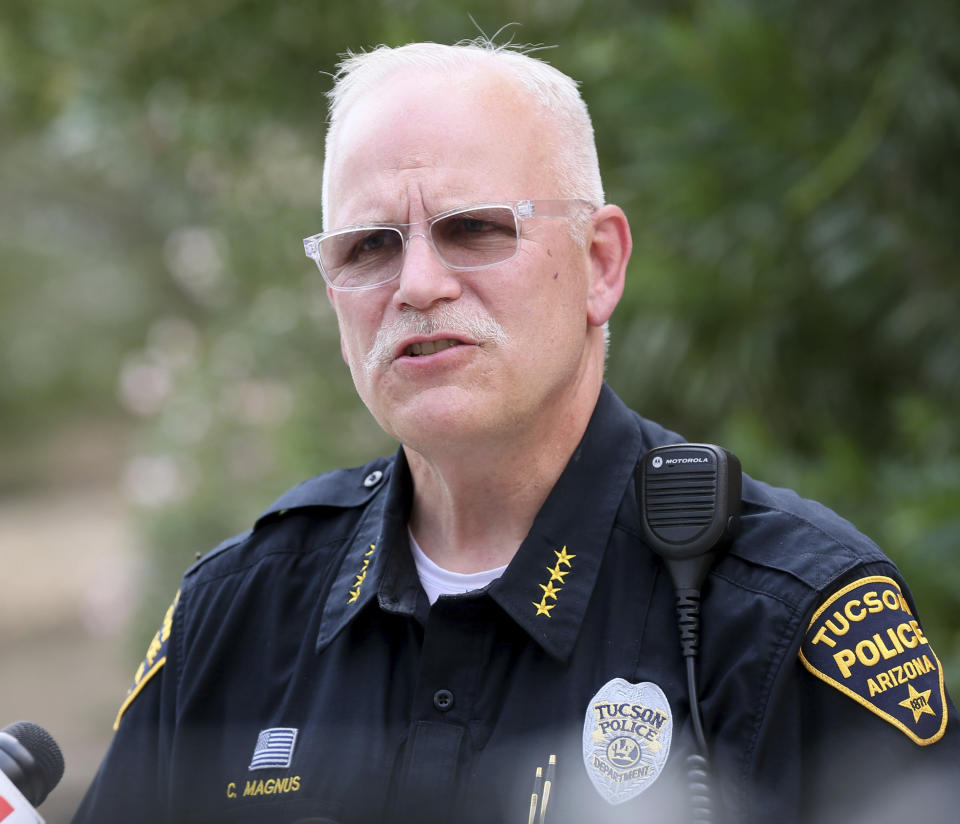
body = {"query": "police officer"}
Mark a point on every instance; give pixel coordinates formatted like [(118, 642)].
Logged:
[(473, 630)]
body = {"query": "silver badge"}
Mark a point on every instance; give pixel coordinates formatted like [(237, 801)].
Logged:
[(626, 738)]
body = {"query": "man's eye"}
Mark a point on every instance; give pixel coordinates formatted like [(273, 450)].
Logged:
[(497, 222), (374, 242), (472, 225)]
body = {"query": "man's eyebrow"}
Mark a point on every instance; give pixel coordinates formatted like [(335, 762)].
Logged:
[(433, 212)]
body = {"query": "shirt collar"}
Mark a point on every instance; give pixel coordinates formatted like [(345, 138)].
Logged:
[(377, 563), (547, 586)]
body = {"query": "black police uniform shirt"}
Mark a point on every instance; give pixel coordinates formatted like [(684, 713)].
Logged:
[(301, 674)]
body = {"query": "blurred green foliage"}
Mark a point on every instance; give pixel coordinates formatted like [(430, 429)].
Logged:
[(790, 170)]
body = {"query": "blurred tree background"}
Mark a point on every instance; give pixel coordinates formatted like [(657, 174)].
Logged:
[(790, 170)]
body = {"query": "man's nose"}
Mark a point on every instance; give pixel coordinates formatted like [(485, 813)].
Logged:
[(424, 277)]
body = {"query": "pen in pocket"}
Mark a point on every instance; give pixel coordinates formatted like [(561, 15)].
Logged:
[(542, 788)]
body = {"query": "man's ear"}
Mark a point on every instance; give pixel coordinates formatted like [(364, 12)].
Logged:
[(610, 247)]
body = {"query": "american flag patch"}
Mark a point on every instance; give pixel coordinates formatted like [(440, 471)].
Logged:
[(274, 748)]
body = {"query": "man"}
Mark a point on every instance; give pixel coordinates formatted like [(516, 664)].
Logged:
[(475, 630)]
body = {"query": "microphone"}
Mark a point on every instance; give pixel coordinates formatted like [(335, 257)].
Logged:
[(689, 496), (31, 765)]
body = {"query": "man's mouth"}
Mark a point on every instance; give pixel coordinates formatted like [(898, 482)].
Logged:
[(414, 334), (429, 347)]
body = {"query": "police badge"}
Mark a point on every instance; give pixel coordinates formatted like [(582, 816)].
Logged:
[(626, 738)]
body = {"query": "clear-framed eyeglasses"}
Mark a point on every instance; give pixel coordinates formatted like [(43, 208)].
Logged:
[(464, 239)]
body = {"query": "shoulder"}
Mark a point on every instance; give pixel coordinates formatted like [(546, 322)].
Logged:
[(222, 594), (317, 515), (805, 541), (788, 547), (853, 624)]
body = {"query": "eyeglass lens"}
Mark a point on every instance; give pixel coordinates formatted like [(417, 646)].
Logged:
[(468, 239)]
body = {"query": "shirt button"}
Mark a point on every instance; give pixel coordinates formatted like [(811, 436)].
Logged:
[(373, 478), (443, 700)]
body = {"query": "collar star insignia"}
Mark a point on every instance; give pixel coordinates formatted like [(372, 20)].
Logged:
[(563, 557), (918, 702), (549, 590), (556, 574), (361, 575)]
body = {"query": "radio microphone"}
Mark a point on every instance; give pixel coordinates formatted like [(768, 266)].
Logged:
[(31, 765), (690, 506), (689, 496)]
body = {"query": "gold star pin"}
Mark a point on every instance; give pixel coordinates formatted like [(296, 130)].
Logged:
[(542, 608), (549, 590), (361, 576), (556, 574), (563, 557), (918, 703)]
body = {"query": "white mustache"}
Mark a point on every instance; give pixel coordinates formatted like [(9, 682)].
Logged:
[(446, 318)]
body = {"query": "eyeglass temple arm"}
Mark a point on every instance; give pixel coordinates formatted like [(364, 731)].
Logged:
[(557, 207)]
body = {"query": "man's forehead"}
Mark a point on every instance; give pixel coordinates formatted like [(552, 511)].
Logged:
[(467, 139), (414, 98)]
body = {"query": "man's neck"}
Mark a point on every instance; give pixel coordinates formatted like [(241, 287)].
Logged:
[(474, 505)]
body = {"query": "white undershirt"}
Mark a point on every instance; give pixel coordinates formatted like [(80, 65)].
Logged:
[(438, 581)]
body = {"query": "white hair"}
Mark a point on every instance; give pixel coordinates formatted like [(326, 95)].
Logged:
[(575, 167)]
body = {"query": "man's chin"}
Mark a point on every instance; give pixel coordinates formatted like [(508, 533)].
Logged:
[(439, 417)]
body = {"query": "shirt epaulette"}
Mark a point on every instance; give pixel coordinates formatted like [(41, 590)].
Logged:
[(341, 488), (217, 550), (784, 532)]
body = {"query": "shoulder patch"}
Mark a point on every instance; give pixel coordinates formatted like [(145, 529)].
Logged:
[(155, 658), (865, 642)]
